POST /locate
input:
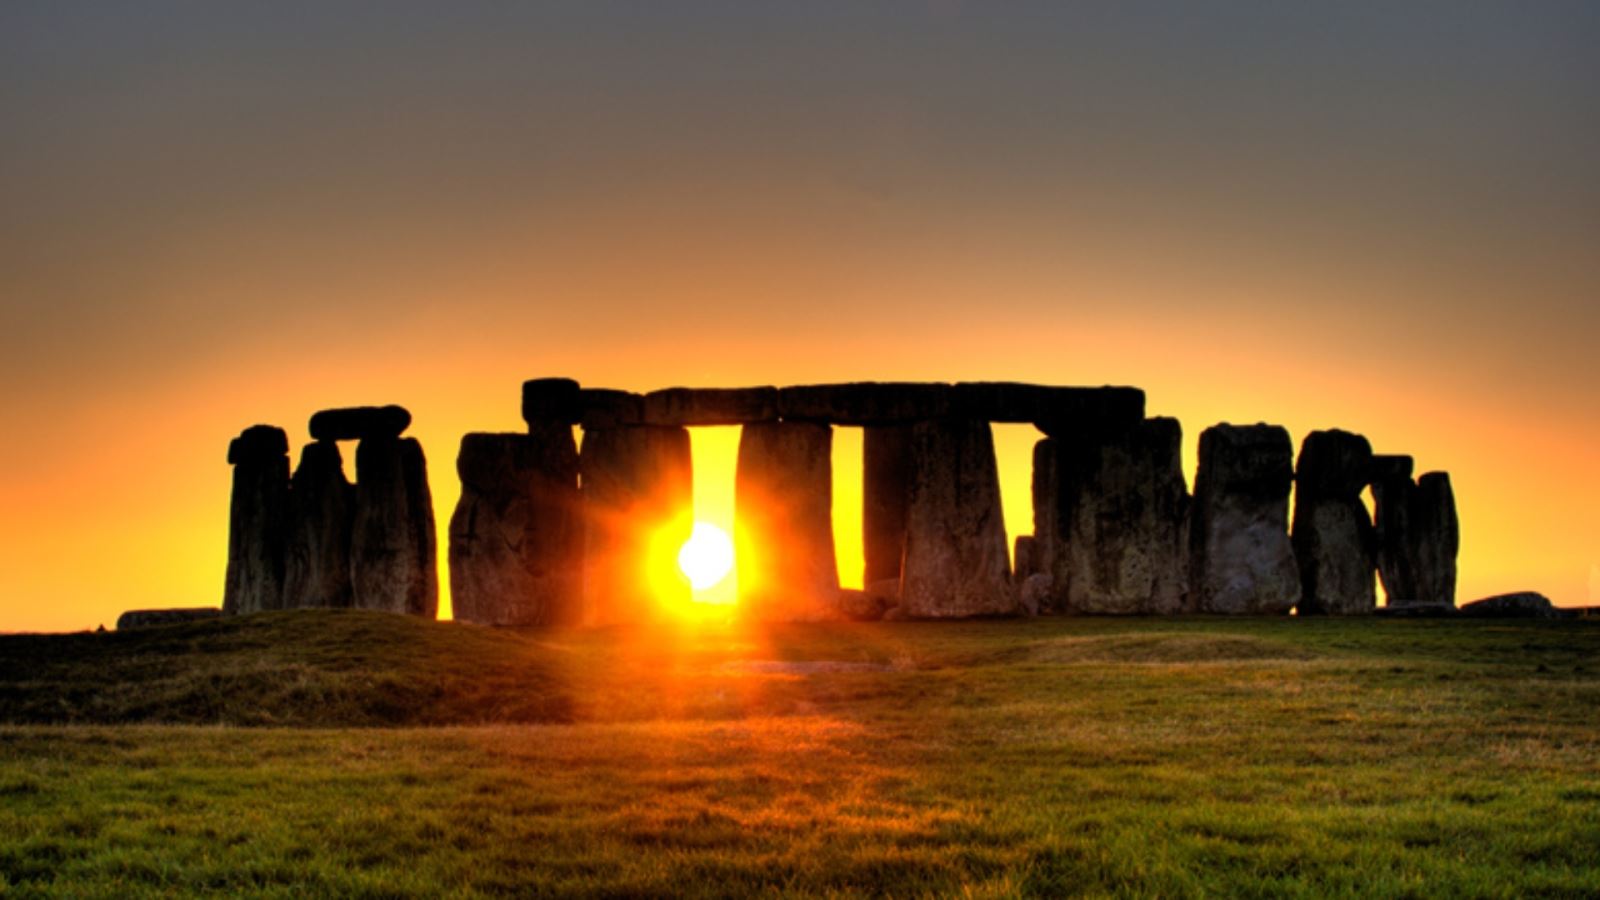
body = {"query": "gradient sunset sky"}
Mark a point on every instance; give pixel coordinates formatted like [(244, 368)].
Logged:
[(1383, 217)]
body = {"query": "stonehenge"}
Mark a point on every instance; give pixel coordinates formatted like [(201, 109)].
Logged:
[(316, 540), (551, 530)]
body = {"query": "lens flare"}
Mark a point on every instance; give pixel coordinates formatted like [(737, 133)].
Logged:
[(707, 556)]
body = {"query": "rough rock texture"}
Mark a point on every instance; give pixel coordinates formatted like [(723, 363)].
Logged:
[(1036, 591), (357, 422), (1334, 541), (783, 521), (1241, 558), (606, 408), (1520, 605), (257, 518), (955, 562), (1022, 563), (516, 538), (1122, 504), (1046, 522), (885, 492), (637, 511), (864, 403), (860, 606), (1417, 536), (322, 506), (393, 563), (547, 401), (146, 618), (1055, 409), (711, 406)]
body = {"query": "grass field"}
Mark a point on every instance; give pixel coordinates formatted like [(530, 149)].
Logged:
[(370, 755)]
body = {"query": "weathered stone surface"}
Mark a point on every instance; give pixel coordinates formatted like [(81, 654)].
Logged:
[(860, 606), (516, 538), (322, 506), (783, 520), (885, 493), (1036, 591), (148, 618), (1022, 563), (1520, 605), (606, 408), (1334, 541), (864, 403), (548, 401), (710, 406), (886, 589), (637, 510), (955, 562), (257, 519), (1417, 537), (359, 422), (1047, 528), (393, 545), (1056, 410), (1241, 557), (1123, 505)]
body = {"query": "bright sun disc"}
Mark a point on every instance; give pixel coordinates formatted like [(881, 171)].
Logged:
[(707, 556)]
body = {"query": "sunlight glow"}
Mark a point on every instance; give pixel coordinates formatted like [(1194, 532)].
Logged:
[(707, 556)]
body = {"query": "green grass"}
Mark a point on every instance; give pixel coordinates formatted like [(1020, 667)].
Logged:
[(1173, 757)]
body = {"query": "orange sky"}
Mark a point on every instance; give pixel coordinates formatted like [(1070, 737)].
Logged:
[(1358, 217)]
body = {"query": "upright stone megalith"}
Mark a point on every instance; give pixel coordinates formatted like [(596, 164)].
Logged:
[(955, 561), (1390, 478), (783, 522), (1046, 527), (637, 510), (321, 514), (257, 514), (393, 546), (1333, 535), (1123, 504), (1418, 534), (516, 538), (885, 493), (1241, 561)]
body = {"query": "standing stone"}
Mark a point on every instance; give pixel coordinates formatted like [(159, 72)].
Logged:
[(638, 509), (1333, 535), (257, 515), (516, 538), (885, 489), (1391, 506), (393, 548), (1046, 526), (1435, 538), (783, 522), (1022, 561), (1123, 503), (321, 514), (1241, 558), (955, 563)]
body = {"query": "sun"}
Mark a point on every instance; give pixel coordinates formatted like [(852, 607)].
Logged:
[(707, 556)]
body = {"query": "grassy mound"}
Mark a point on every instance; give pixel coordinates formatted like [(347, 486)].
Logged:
[(319, 668)]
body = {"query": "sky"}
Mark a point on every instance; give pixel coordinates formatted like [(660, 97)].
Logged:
[(1383, 217)]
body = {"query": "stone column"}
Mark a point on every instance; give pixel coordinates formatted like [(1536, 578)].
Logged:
[(393, 547), (1391, 506), (321, 514), (783, 522), (1123, 504), (885, 492), (1241, 558), (516, 538), (1333, 535), (257, 517), (638, 509), (1046, 530), (955, 561)]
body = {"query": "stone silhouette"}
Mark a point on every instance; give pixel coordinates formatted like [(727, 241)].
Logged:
[(321, 518), (393, 545), (1417, 533), (1123, 505), (955, 561), (637, 489), (1241, 558), (551, 401), (783, 522), (257, 516), (150, 618), (1042, 557), (358, 422), (885, 494), (710, 406), (516, 538), (1334, 541)]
